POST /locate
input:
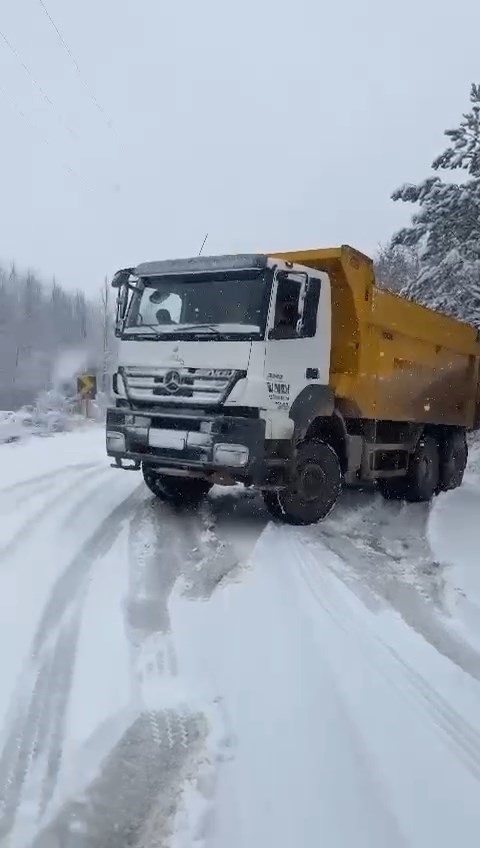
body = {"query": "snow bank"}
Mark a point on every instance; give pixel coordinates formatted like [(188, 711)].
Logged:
[(11, 429), (52, 412), (453, 537)]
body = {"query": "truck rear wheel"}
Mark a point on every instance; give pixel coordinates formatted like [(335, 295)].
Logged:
[(421, 481), (314, 488), (393, 488), (178, 490), (423, 474), (453, 460)]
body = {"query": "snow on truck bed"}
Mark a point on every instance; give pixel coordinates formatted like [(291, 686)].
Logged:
[(208, 678)]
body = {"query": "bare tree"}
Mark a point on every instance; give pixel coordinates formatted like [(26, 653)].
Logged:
[(39, 324), (106, 305)]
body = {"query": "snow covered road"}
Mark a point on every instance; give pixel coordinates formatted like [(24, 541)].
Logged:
[(206, 678), (87, 563)]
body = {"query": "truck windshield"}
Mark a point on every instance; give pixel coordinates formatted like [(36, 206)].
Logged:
[(200, 306)]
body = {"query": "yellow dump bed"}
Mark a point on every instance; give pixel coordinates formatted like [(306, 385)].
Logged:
[(392, 359)]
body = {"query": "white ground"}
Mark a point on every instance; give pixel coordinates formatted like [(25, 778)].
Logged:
[(172, 679)]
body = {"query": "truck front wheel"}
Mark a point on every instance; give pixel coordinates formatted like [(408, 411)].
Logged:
[(178, 490), (314, 487)]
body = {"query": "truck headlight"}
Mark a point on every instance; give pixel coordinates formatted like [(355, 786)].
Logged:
[(230, 455)]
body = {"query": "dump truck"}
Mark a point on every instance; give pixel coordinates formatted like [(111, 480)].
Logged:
[(291, 372)]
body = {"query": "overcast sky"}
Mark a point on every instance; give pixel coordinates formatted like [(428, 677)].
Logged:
[(272, 125)]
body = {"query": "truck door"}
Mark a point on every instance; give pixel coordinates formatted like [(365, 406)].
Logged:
[(298, 338)]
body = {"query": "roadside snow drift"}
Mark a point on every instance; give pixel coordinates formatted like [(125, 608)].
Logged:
[(453, 535)]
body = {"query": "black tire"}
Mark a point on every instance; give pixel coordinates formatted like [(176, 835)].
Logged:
[(273, 505), (453, 460), (423, 476), (314, 488), (393, 488), (177, 490)]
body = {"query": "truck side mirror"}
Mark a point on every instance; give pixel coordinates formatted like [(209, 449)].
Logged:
[(121, 282), (122, 304), (301, 304), (122, 277)]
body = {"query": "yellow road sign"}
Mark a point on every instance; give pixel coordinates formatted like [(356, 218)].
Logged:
[(87, 386)]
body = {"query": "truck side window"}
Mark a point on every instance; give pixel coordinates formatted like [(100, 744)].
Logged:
[(286, 309), (310, 309)]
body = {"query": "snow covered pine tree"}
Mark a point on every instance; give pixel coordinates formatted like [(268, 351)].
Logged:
[(446, 228), (396, 266)]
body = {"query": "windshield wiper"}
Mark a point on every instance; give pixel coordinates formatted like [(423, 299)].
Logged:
[(160, 329), (155, 327), (174, 329), (211, 328)]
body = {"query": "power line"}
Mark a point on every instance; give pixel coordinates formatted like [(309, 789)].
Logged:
[(37, 85), (89, 187), (41, 136), (76, 65), (45, 96)]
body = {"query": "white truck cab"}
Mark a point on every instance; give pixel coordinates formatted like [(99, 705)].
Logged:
[(223, 362)]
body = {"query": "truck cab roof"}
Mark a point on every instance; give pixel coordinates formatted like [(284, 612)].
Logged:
[(199, 264)]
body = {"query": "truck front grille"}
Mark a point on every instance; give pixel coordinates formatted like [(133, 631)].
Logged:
[(204, 386)]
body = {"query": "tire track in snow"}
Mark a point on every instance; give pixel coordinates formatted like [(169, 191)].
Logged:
[(152, 575), (454, 730), (33, 483), (133, 799), (167, 544), (55, 711), (20, 749), (39, 715), (131, 802), (38, 730), (74, 576), (34, 520), (382, 556), (465, 739)]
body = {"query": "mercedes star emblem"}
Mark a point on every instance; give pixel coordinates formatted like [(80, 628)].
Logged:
[(172, 382)]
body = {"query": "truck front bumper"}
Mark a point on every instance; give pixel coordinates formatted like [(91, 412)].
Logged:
[(201, 445)]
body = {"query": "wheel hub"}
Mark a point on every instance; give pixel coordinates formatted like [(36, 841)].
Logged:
[(426, 468), (311, 482)]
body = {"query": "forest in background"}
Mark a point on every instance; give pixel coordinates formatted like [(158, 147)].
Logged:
[(436, 260), (48, 335)]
